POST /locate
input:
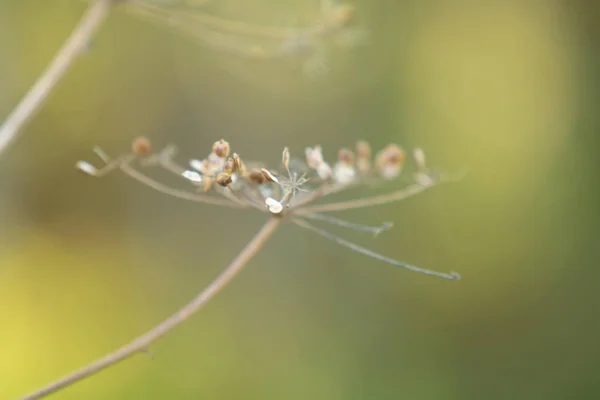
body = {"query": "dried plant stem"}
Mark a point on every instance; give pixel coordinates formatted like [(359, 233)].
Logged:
[(89, 23), (142, 342), (367, 201), (208, 21)]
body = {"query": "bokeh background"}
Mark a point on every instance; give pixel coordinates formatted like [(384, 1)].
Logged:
[(508, 89)]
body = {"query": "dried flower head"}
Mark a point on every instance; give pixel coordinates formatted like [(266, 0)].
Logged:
[(141, 146), (292, 192), (390, 161), (221, 148)]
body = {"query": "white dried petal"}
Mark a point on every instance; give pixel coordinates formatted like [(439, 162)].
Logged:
[(273, 205), (196, 164), (324, 171), (390, 171), (343, 173), (314, 156), (86, 167), (192, 176)]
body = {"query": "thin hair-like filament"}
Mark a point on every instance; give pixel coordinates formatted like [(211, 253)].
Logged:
[(376, 230), (401, 194), (370, 253)]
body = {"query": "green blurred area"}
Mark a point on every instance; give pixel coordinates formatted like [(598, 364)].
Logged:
[(507, 89)]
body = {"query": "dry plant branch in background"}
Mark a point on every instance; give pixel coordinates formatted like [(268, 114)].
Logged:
[(334, 22), (37, 94), (285, 194)]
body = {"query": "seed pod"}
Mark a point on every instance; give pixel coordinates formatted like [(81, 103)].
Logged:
[(269, 177), (223, 179), (389, 161), (221, 148), (239, 164), (256, 177), (230, 166), (285, 159), (141, 146)]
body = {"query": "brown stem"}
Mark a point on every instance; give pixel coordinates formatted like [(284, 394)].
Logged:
[(365, 202), (89, 23), (142, 342)]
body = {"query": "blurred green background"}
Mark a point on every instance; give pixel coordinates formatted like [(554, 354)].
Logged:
[(508, 89)]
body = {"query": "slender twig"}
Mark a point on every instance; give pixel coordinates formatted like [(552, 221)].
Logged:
[(375, 230), (142, 342), (366, 201), (35, 97), (370, 253)]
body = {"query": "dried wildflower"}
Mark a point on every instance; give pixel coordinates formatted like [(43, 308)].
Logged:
[(221, 148), (287, 196), (343, 171), (256, 177), (239, 165), (314, 156), (390, 161), (141, 146), (291, 192), (230, 166), (285, 158), (223, 179), (334, 25), (269, 177)]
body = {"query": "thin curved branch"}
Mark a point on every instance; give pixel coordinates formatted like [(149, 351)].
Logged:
[(142, 342), (146, 180), (367, 201), (37, 94), (372, 254)]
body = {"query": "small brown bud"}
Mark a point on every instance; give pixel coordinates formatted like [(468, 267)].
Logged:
[(391, 155), (230, 166), (256, 177), (346, 156), (141, 146), (221, 148), (223, 179), (390, 160)]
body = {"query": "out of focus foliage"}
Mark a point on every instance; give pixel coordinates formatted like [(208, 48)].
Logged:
[(507, 89)]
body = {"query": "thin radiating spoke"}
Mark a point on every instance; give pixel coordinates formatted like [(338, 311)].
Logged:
[(370, 253)]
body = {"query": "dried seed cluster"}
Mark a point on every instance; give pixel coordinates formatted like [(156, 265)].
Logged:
[(273, 190), (291, 190)]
